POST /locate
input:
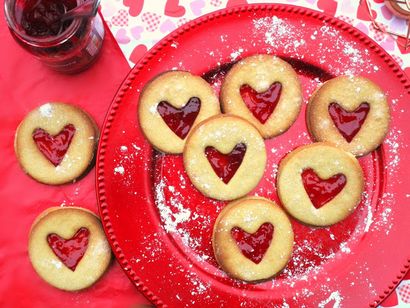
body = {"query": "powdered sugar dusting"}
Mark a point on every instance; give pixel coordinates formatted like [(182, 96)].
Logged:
[(170, 219), (128, 158), (46, 110), (282, 35), (335, 298), (119, 170)]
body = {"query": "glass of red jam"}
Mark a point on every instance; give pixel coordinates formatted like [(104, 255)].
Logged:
[(69, 46)]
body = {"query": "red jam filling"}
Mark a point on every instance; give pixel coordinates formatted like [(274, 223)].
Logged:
[(348, 123), (322, 191), (70, 251), (55, 147), (261, 104), (254, 246), (42, 18), (226, 165), (180, 120)]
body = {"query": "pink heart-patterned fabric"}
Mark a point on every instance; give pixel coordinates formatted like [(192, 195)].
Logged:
[(404, 293), (216, 3), (151, 20), (135, 6), (121, 19)]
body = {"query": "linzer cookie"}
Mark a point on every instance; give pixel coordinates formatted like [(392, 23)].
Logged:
[(264, 90), (171, 105), (55, 143), (68, 249), (351, 113), (252, 239), (320, 184), (225, 157)]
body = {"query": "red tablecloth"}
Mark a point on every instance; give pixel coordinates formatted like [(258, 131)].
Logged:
[(25, 84)]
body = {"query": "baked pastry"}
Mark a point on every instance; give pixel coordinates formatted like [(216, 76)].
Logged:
[(252, 239), (225, 157), (67, 248), (171, 104), (351, 113), (264, 90), (320, 184), (55, 143)]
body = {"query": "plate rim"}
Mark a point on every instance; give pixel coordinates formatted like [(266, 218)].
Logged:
[(125, 85)]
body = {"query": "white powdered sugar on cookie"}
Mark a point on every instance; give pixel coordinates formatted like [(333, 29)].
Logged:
[(46, 110)]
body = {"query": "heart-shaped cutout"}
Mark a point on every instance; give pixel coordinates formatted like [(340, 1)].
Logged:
[(322, 191), (70, 251), (254, 246), (261, 104), (180, 120), (226, 165), (348, 122), (54, 147)]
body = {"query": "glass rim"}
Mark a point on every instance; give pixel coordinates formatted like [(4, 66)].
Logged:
[(52, 41)]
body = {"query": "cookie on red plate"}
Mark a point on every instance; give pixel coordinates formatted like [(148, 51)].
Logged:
[(320, 184), (351, 113), (67, 248), (225, 157), (56, 143), (264, 90), (252, 239), (170, 105)]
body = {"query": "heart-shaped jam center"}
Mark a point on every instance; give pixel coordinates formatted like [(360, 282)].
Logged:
[(348, 122), (180, 120), (261, 104), (70, 251), (255, 245), (322, 191), (226, 165), (55, 147)]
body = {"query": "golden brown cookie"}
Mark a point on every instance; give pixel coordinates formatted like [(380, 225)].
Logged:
[(351, 113), (264, 90), (252, 239), (67, 248), (320, 184), (55, 143), (171, 105), (225, 157)]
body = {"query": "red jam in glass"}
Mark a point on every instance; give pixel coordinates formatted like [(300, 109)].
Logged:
[(55, 147), (226, 165), (180, 120), (43, 17), (348, 123), (261, 104), (254, 246), (322, 191), (69, 47), (70, 251)]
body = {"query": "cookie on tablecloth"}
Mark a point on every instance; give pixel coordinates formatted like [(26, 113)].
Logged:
[(351, 113), (225, 157), (67, 248), (252, 239), (320, 184), (56, 143), (171, 104), (266, 91)]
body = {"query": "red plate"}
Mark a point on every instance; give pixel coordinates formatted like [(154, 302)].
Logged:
[(160, 226)]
